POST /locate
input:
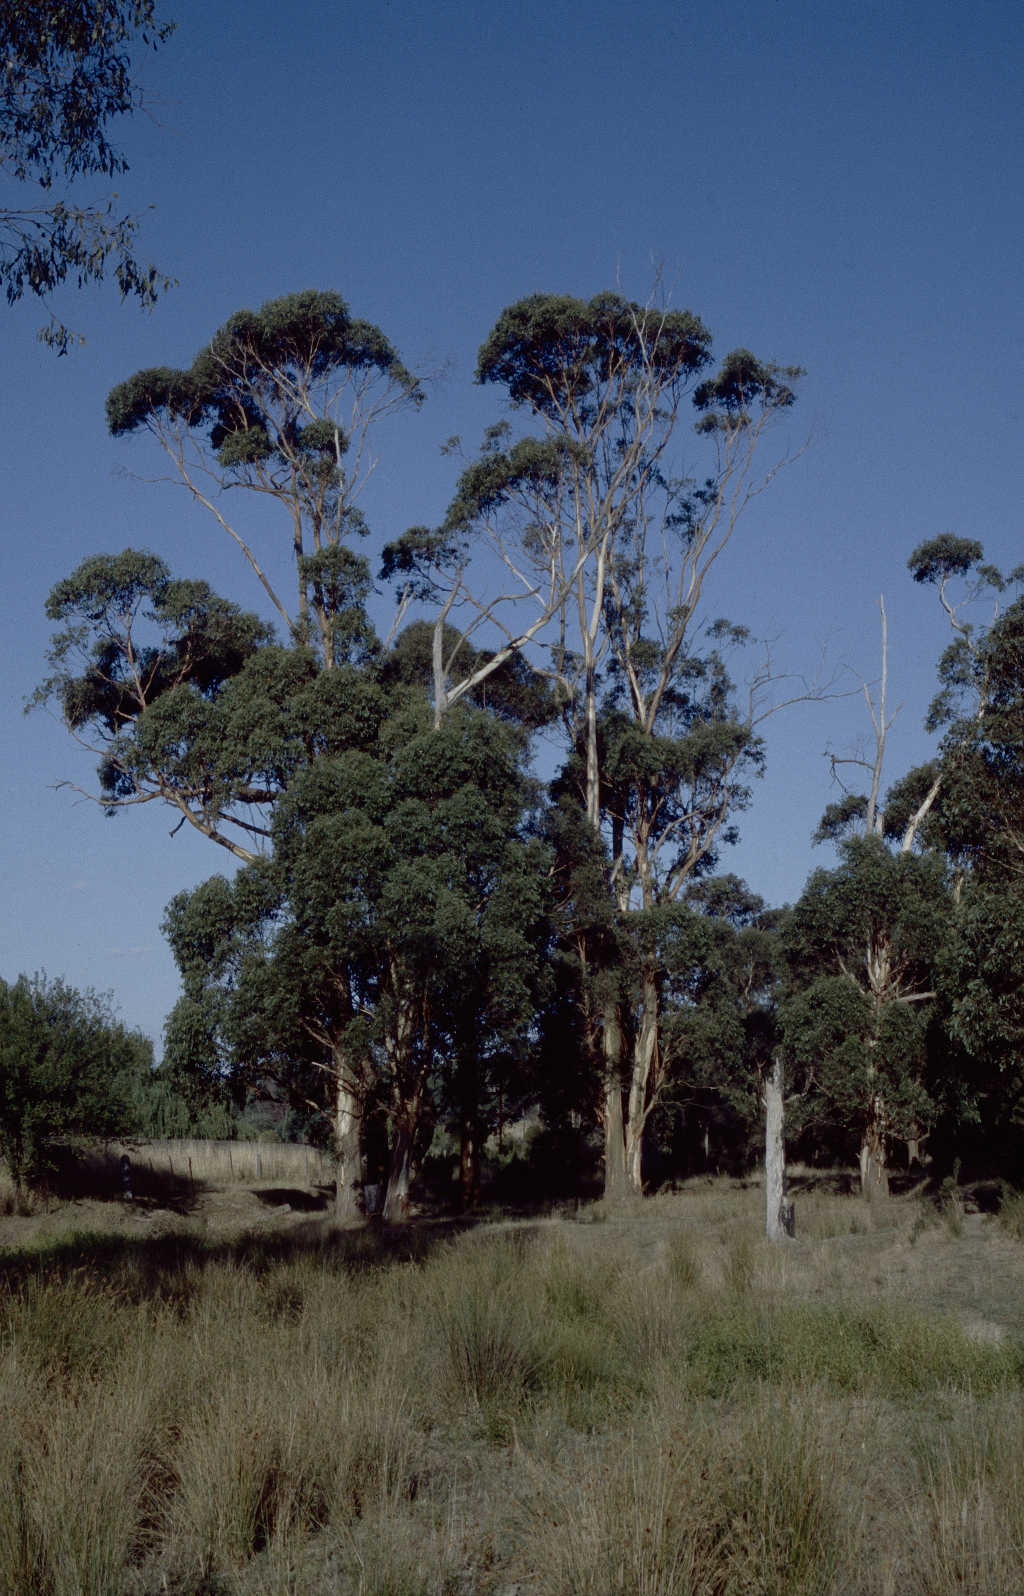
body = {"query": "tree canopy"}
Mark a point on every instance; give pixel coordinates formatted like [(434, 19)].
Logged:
[(67, 70)]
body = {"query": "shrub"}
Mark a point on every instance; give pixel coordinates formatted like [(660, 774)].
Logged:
[(66, 1070)]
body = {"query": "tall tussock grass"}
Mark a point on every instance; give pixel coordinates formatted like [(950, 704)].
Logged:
[(478, 1302), (660, 1405), (697, 1504)]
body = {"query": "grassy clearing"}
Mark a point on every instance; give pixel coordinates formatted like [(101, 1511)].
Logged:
[(649, 1402)]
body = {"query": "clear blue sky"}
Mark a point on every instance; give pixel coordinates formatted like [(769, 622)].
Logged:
[(832, 184)]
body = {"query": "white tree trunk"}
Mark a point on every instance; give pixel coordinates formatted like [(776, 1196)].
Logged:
[(615, 1184), (874, 1176), (644, 1054), (780, 1210), (346, 1144)]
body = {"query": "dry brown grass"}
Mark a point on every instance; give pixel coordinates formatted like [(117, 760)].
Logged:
[(224, 1163), (643, 1402), (164, 1171)]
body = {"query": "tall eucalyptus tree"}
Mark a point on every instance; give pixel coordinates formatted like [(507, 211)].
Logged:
[(595, 521)]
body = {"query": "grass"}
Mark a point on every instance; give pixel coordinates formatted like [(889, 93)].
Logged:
[(168, 1172), (659, 1404), (222, 1163)]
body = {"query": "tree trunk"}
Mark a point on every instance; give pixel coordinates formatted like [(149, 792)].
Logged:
[(469, 1164), (437, 660), (469, 1129), (407, 1099), (874, 1177), (780, 1218), (346, 1143), (914, 1154), (645, 1052), (616, 1185), (396, 1202), (469, 1160)]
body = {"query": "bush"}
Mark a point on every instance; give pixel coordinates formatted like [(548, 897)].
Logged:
[(67, 1069)]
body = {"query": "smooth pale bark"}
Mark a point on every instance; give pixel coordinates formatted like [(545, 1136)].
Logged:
[(347, 1119), (780, 1218), (438, 661), (593, 766), (644, 1054), (616, 1185), (396, 1202), (874, 1176)]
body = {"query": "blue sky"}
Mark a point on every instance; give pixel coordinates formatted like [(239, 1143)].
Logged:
[(831, 184)]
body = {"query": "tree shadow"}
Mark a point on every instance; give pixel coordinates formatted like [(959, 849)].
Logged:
[(94, 1174), (301, 1202), (825, 1182), (172, 1264), (986, 1196)]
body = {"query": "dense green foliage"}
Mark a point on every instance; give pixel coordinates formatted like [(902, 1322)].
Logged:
[(390, 945), (903, 973), (68, 1069)]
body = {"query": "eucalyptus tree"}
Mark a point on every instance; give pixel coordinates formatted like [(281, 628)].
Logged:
[(66, 71), (868, 942), (400, 915), (413, 876), (189, 701), (282, 403), (967, 806), (862, 944), (579, 1039), (595, 522), (978, 818), (184, 697), (675, 782), (977, 823), (731, 1038)]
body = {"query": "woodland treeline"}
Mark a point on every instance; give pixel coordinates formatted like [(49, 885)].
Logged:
[(413, 931)]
